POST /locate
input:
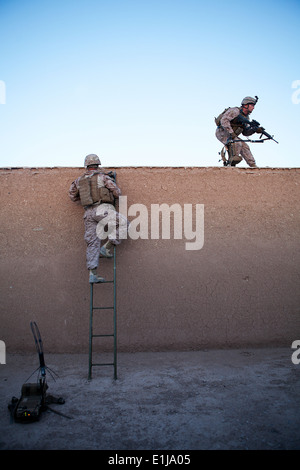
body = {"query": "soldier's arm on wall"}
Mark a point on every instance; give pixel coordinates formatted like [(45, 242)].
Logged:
[(74, 192), (109, 184)]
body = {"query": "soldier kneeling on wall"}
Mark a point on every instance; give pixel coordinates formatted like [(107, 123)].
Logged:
[(230, 124)]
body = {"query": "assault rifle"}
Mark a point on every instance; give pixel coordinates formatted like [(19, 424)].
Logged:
[(251, 127)]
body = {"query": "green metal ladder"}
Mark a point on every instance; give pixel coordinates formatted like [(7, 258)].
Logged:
[(113, 334)]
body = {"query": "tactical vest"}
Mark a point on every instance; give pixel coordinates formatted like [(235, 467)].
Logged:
[(92, 190), (236, 127)]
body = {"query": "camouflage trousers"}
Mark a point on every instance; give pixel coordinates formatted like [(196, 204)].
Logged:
[(102, 222), (239, 148)]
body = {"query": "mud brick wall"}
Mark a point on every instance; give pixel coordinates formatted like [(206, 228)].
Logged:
[(241, 289)]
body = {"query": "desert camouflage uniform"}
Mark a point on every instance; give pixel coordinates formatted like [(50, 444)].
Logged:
[(223, 133), (94, 214)]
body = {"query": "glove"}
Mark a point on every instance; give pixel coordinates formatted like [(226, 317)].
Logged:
[(230, 139), (259, 130)]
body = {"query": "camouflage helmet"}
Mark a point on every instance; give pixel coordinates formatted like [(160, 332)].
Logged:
[(249, 100), (91, 159)]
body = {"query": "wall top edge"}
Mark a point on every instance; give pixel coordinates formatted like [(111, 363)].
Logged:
[(152, 167)]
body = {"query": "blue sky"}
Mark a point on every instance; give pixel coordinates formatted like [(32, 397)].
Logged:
[(140, 82)]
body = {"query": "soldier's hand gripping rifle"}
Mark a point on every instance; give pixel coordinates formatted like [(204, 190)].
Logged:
[(250, 127)]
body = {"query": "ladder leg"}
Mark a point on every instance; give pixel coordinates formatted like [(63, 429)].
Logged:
[(114, 334), (91, 331), (115, 315)]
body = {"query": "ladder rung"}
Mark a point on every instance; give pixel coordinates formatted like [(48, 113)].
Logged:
[(102, 336), (103, 282), (104, 364), (103, 308)]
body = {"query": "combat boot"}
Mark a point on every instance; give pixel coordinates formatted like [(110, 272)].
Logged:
[(105, 250), (94, 278)]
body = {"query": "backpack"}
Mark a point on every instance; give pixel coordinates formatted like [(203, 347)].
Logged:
[(218, 119)]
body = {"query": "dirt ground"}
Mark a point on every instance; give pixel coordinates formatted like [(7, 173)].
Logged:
[(209, 399)]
